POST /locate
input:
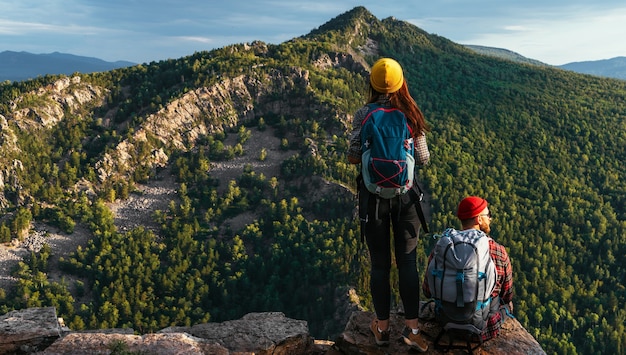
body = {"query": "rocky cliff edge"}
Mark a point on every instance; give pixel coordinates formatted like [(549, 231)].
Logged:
[(39, 331)]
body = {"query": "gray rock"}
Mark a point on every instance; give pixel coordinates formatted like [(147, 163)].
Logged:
[(258, 333), (28, 330), (38, 331), (155, 344)]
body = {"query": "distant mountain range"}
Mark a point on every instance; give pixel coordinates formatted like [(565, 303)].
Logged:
[(18, 66), (610, 68)]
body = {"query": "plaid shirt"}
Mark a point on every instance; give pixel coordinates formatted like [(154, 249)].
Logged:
[(503, 288), (422, 154)]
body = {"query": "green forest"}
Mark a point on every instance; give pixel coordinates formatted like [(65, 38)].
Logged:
[(544, 146)]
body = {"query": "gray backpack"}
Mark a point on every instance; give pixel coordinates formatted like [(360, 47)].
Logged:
[(461, 277)]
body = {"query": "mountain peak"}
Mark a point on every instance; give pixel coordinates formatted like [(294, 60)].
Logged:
[(358, 20)]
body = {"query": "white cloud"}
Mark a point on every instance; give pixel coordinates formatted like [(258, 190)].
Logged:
[(204, 40), (24, 28), (517, 28)]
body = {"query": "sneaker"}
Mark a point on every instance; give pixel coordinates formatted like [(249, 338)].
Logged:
[(415, 341), (382, 338)]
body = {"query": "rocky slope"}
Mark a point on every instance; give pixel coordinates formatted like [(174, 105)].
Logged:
[(138, 209)]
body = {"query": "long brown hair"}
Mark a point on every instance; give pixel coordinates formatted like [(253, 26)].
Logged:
[(403, 101)]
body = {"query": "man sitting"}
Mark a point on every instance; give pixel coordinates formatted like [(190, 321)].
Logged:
[(473, 212)]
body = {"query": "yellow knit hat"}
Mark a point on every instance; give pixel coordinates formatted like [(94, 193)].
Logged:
[(386, 76)]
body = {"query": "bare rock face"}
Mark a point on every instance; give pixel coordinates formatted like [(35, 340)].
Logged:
[(207, 110), (28, 330), (357, 339), (64, 94), (256, 333)]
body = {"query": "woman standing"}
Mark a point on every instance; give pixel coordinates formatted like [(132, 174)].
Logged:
[(389, 89)]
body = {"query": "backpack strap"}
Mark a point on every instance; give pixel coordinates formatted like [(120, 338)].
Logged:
[(460, 279), (418, 197), (364, 195)]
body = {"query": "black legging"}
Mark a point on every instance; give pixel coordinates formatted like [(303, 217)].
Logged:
[(400, 214)]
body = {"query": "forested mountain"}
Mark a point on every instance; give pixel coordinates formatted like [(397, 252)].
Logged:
[(545, 146)]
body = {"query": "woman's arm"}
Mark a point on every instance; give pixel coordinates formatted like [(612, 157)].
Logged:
[(354, 150), (422, 154)]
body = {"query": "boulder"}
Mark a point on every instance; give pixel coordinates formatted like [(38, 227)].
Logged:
[(28, 330), (256, 333)]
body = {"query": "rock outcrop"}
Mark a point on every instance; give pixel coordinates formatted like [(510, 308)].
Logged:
[(48, 105), (207, 110), (39, 331), (357, 339), (26, 331), (40, 109)]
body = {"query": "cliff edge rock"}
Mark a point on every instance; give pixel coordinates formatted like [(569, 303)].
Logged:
[(39, 331)]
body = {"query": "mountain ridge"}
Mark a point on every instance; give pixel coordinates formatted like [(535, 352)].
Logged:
[(609, 68), (19, 66)]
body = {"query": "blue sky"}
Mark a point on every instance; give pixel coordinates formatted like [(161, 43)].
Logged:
[(553, 31)]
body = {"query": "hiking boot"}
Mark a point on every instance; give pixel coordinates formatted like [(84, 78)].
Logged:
[(415, 341), (382, 338)]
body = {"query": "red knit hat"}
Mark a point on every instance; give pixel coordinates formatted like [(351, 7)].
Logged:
[(470, 207)]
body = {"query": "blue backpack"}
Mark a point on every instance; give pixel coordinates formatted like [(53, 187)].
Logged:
[(387, 148)]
